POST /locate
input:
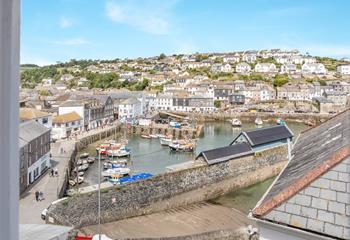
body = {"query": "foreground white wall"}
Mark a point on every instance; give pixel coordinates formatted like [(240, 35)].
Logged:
[(9, 119)]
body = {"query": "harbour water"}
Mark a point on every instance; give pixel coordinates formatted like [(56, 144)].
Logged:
[(147, 155)]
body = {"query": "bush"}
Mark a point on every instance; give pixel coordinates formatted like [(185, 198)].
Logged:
[(217, 103)]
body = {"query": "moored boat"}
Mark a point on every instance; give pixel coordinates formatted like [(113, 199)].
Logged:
[(84, 155), (258, 121), (161, 136), (147, 136), (165, 141), (182, 146), (236, 122), (280, 121), (153, 135), (112, 171)]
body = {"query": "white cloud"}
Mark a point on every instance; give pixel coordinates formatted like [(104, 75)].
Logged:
[(72, 42), (152, 16), (65, 22)]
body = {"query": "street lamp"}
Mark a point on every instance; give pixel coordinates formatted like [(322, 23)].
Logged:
[(99, 194)]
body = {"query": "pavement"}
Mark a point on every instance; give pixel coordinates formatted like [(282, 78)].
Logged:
[(30, 209), (192, 219)]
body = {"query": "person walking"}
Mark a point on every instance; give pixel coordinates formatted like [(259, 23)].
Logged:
[(52, 172), (36, 195), (41, 196)]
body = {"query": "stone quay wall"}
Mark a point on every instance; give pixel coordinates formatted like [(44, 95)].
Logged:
[(165, 129), (251, 116), (169, 190)]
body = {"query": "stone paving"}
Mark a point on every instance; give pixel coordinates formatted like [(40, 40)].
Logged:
[(192, 219), (30, 210)]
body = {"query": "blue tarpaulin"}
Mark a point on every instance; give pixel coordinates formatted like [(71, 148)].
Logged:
[(134, 178)]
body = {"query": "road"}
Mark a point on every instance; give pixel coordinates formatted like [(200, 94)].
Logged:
[(30, 210)]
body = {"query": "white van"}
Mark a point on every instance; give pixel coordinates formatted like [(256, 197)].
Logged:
[(44, 212)]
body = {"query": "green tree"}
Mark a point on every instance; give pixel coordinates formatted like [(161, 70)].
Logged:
[(161, 56), (280, 80), (217, 103)]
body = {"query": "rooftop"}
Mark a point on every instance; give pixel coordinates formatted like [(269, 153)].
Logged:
[(266, 135), (68, 117), (223, 154), (312, 193), (31, 113)]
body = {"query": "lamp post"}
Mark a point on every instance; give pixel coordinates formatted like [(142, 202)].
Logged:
[(99, 195)]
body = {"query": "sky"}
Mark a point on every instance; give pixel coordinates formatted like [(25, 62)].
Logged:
[(60, 30)]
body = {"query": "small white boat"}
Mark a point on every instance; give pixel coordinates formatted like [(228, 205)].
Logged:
[(165, 141), (147, 136), (81, 173), (91, 160), (119, 153), (80, 168), (82, 162), (84, 155), (258, 121), (80, 180), (236, 122), (112, 171), (153, 135), (161, 136), (72, 183)]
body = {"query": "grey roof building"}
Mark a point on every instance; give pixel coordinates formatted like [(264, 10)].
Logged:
[(223, 154), (263, 138), (310, 199)]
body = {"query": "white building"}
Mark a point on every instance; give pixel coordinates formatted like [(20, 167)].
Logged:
[(231, 59), (289, 68), (243, 68), (309, 60), (265, 68), (34, 143), (66, 125), (79, 107), (47, 82), (221, 67), (163, 102), (129, 109), (343, 69), (313, 68), (250, 58)]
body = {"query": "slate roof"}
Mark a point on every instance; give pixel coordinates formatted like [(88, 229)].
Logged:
[(68, 117), (266, 135), (313, 191), (226, 153), (31, 113), (30, 130), (41, 231)]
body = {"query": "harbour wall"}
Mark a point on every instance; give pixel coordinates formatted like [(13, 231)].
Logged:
[(184, 132), (251, 116), (169, 190)]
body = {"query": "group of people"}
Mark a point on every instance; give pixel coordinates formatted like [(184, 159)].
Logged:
[(53, 172), (39, 195)]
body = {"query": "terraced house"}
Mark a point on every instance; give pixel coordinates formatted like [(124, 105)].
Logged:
[(34, 152)]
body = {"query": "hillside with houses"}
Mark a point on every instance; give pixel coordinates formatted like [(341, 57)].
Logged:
[(274, 80)]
